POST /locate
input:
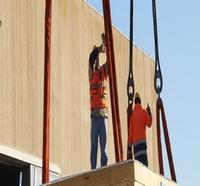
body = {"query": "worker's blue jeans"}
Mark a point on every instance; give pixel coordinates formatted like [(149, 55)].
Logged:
[(98, 130)]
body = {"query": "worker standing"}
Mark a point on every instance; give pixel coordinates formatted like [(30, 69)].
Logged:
[(139, 119), (98, 104)]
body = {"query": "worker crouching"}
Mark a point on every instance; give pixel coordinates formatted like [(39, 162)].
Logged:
[(139, 119), (98, 104)]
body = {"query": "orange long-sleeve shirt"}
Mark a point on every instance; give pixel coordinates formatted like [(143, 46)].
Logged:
[(138, 122)]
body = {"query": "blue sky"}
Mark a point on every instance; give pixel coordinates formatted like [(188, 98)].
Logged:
[(179, 46)]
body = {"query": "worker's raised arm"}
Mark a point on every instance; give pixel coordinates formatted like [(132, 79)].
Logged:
[(96, 50), (148, 116), (102, 49), (92, 58), (105, 68)]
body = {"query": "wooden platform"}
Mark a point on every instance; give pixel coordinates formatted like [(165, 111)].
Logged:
[(128, 173)]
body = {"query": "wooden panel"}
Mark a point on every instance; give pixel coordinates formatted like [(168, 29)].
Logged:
[(123, 174), (76, 27), (137, 184), (118, 174), (150, 178)]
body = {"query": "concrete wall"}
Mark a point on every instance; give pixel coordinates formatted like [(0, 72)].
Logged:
[(76, 27)]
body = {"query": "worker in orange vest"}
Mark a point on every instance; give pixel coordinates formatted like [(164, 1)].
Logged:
[(139, 119), (98, 104)]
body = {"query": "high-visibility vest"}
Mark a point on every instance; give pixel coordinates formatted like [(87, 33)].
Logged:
[(98, 90)]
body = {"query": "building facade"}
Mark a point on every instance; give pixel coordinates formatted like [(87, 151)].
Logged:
[(76, 27)]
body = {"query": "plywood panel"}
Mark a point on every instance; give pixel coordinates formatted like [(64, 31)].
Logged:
[(76, 27), (123, 174), (118, 174), (148, 177), (137, 184)]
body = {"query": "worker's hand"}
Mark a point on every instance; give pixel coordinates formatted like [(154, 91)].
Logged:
[(102, 48), (94, 47), (148, 110), (103, 38), (103, 44)]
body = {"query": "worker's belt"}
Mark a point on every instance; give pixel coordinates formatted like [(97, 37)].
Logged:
[(97, 85), (99, 96), (140, 148), (99, 112)]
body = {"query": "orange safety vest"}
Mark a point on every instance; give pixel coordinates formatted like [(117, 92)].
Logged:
[(98, 90), (137, 126)]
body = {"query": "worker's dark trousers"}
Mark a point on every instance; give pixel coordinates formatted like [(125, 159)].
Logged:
[(98, 130), (140, 152)]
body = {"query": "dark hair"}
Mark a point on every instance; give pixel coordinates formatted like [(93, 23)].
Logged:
[(93, 57), (137, 100)]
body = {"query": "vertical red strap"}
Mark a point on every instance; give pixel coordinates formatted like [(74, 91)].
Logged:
[(167, 142), (161, 169), (129, 149), (160, 109), (112, 81), (46, 111)]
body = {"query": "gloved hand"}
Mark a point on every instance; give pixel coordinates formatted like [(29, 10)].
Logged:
[(102, 47), (148, 109), (103, 38)]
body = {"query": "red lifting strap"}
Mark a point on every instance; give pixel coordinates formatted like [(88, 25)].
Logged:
[(129, 149), (112, 81), (46, 111), (160, 110)]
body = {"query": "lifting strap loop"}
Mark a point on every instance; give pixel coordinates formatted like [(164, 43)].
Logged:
[(158, 81), (158, 85), (130, 82)]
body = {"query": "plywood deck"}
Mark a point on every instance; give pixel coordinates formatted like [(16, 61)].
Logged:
[(123, 174)]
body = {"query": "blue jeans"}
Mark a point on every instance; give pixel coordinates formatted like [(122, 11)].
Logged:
[(98, 130)]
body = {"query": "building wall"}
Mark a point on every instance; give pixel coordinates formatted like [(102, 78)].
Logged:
[(76, 27)]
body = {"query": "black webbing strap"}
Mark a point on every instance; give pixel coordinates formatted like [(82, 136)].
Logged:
[(158, 81)]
